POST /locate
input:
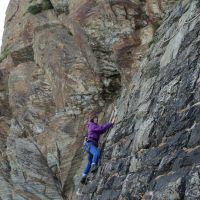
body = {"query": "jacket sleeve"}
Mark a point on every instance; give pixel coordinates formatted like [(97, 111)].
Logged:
[(101, 128)]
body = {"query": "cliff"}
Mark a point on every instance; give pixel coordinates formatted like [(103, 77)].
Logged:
[(63, 59)]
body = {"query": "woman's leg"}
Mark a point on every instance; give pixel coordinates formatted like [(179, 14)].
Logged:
[(88, 166), (96, 154)]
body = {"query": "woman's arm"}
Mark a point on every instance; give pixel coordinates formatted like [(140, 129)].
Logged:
[(101, 128)]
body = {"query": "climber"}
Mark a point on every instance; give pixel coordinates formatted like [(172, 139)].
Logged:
[(91, 144)]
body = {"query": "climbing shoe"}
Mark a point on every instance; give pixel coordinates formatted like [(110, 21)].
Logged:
[(83, 180), (94, 168)]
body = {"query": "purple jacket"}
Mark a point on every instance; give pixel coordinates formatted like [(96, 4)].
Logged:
[(95, 130)]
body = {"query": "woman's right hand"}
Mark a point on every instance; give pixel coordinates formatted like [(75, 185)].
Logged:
[(113, 120)]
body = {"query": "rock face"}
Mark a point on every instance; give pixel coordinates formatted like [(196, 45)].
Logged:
[(74, 56)]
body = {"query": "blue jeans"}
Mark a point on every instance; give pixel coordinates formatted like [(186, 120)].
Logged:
[(93, 157)]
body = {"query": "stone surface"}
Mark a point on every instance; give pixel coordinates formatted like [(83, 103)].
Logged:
[(140, 57)]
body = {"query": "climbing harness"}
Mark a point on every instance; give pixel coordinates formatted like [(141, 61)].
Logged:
[(86, 146)]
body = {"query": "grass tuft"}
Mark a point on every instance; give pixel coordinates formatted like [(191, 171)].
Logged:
[(37, 8), (34, 9)]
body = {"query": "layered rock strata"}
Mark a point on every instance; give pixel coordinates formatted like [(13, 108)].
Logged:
[(72, 57)]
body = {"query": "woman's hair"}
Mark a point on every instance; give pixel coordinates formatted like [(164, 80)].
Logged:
[(91, 116)]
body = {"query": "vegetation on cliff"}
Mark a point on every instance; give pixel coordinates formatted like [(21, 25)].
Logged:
[(36, 8)]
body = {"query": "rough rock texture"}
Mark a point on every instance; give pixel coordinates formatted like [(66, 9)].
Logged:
[(153, 153), (84, 55)]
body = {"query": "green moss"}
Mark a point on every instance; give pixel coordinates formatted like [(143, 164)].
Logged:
[(4, 54), (34, 9), (37, 8), (153, 42), (46, 5), (155, 26)]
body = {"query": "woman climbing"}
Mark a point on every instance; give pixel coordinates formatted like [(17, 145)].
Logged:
[(91, 144)]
